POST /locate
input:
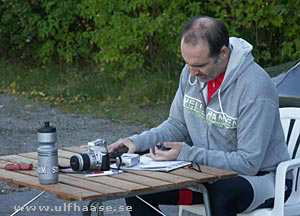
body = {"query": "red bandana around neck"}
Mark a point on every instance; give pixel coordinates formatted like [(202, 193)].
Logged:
[(213, 85)]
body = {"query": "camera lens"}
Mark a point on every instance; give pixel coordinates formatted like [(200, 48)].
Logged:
[(80, 162)]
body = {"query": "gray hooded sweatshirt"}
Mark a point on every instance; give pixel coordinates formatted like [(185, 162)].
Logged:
[(238, 130)]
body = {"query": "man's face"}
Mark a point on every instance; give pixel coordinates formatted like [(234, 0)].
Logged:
[(199, 62)]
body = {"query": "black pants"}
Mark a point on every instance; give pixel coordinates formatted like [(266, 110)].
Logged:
[(227, 198)]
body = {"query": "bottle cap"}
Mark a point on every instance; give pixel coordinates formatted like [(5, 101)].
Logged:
[(47, 128)]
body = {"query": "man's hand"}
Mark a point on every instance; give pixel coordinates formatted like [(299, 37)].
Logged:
[(171, 154), (122, 145)]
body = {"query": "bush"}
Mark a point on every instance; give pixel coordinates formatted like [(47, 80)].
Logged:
[(273, 27), (139, 36), (136, 35)]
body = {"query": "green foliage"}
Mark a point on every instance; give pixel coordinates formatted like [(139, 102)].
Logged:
[(131, 35), (126, 37), (120, 36), (273, 27), (60, 31), (18, 28)]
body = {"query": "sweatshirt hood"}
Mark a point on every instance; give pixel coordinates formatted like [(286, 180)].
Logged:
[(240, 58)]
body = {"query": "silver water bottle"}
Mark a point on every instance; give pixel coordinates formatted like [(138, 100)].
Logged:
[(47, 154)]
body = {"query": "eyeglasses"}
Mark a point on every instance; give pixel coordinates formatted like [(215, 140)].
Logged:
[(197, 168)]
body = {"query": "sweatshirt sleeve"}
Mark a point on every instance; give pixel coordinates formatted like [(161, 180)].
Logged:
[(254, 131), (171, 130)]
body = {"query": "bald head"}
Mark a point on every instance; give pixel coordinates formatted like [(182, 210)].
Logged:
[(209, 30)]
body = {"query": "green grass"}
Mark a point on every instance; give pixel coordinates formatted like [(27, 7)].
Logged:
[(142, 98)]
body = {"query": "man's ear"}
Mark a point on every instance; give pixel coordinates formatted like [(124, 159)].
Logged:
[(224, 53)]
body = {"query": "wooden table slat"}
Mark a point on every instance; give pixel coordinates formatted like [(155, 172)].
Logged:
[(65, 154), (215, 171), (19, 159), (94, 186), (78, 180), (33, 182), (75, 149), (61, 160), (200, 176), (119, 183), (3, 163), (141, 180), (176, 179)]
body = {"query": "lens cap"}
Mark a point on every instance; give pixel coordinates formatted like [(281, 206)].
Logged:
[(74, 163)]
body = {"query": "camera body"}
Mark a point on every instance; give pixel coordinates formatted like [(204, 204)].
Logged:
[(96, 157)]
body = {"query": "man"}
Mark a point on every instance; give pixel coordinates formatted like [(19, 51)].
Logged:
[(225, 114)]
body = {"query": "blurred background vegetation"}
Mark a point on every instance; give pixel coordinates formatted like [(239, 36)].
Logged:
[(118, 58)]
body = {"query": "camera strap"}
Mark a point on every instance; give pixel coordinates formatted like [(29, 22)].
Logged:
[(117, 155)]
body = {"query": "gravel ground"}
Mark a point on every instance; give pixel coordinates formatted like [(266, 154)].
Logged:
[(19, 119)]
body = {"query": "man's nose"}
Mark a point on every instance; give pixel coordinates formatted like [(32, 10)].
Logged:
[(194, 71)]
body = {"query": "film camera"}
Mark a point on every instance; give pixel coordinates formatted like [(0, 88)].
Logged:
[(95, 158)]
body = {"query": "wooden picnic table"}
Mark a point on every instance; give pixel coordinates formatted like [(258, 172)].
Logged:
[(101, 188)]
